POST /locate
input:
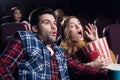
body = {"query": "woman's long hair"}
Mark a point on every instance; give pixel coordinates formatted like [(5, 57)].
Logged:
[(70, 46)]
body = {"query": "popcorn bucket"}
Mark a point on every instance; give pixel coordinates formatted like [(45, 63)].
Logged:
[(93, 49), (113, 72)]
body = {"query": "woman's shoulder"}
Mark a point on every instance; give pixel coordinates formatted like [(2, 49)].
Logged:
[(81, 43)]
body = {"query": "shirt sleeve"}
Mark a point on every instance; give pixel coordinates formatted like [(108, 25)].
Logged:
[(10, 58), (80, 69)]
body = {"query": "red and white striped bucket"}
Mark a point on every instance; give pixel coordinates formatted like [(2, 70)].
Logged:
[(93, 49)]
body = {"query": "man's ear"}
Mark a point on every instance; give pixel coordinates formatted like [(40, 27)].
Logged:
[(34, 28)]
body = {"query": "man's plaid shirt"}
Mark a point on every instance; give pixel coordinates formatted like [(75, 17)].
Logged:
[(20, 58)]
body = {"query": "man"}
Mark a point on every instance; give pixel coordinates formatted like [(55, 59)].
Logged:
[(34, 56), (59, 15)]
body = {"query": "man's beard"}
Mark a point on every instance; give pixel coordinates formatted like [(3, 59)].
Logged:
[(49, 41)]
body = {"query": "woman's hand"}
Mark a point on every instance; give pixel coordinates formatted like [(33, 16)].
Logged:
[(106, 62), (97, 62), (91, 32), (100, 63)]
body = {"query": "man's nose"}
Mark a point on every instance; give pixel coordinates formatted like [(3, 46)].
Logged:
[(54, 26)]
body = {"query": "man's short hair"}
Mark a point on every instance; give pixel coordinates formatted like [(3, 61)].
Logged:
[(33, 18)]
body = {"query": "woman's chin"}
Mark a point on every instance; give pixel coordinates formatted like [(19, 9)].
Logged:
[(81, 39)]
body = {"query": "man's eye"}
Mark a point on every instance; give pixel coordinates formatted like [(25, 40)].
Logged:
[(47, 22), (55, 23)]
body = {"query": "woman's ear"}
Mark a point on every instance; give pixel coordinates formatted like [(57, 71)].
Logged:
[(34, 28)]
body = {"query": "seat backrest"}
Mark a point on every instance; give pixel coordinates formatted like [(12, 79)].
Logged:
[(101, 23), (9, 29), (84, 21), (111, 33), (6, 19), (118, 21)]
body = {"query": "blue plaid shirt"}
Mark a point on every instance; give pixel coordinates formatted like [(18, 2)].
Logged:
[(36, 63)]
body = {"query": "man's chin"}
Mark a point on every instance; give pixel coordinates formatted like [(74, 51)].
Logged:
[(51, 41)]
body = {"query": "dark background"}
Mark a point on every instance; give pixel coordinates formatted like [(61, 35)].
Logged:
[(89, 9)]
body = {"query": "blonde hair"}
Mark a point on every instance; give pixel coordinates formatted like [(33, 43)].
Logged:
[(66, 27), (70, 46)]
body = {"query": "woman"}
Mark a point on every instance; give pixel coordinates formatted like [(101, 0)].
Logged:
[(16, 15), (74, 38)]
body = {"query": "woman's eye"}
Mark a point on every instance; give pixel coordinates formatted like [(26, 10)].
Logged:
[(72, 26)]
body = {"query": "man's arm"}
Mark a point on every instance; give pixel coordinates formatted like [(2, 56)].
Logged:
[(80, 67), (10, 58), (81, 71)]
